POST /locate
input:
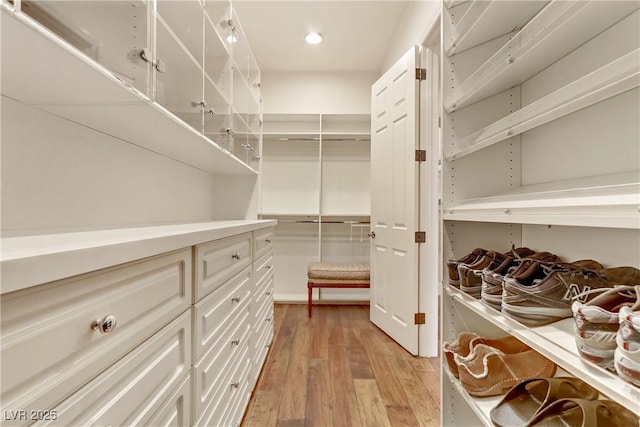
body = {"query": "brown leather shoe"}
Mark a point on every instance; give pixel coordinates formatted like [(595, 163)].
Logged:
[(490, 372), (463, 347)]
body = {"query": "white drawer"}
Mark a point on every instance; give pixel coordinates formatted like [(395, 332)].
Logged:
[(133, 390), (217, 261), (176, 410), (259, 354), (234, 386), (262, 242), (263, 313), (48, 346), (263, 291), (263, 266), (214, 315)]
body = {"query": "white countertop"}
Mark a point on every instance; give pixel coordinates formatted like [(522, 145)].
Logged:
[(33, 260)]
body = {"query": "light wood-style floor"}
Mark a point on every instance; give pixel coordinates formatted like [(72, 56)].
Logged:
[(338, 369)]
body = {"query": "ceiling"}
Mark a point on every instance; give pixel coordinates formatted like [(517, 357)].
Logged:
[(357, 34)]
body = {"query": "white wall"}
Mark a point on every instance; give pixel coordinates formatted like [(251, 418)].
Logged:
[(60, 176), (418, 18), (312, 93)]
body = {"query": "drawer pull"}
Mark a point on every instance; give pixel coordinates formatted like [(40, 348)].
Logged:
[(106, 325), (268, 293), (235, 384), (268, 240), (235, 299), (236, 256), (268, 267), (268, 319), (236, 342)]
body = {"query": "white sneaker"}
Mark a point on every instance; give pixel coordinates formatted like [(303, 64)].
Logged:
[(627, 353)]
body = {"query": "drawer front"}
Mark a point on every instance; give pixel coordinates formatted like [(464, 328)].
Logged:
[(259, 356), (217, 261), (221, 407), (48, 346), (176, 410), (262, 267), (217, 369), (262, 242), (263, 291), (213, 316), (134, 389)]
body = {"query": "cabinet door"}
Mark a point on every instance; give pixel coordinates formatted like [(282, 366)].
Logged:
[(394, 203)]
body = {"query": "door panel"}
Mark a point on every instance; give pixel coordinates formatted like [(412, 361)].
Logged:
[(394, 202)]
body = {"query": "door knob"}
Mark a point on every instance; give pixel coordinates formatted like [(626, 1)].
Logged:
[(372, 234)]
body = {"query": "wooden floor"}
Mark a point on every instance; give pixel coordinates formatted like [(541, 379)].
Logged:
[(338, 369)]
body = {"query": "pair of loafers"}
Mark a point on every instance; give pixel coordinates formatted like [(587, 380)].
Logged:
[(490, 367), (561, 401)]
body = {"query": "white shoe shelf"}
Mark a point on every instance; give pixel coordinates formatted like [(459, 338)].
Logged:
[(540, 148)]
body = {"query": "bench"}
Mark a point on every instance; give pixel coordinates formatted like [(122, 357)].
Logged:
[(336, 275)]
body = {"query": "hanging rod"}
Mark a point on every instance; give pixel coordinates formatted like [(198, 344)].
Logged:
[(315, 221)]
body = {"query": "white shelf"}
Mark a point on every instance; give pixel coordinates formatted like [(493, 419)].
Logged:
[(46, 72), (454, 3), (556, 342), (610, 80), (605, 201), (551, 34), (486, 20)]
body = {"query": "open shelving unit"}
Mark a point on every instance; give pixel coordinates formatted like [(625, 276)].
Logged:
[(315, 181), (540, 149)]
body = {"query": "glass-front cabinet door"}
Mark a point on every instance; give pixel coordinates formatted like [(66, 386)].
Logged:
[(218, 78), (116, 34), (178, 65)]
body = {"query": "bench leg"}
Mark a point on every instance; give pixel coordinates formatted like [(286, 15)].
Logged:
[(310, 297)]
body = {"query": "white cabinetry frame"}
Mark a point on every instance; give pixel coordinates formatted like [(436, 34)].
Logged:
[(540, 148)]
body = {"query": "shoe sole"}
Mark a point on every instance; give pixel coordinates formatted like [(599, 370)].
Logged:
[(494, 302), (627, 369), (535, 316)]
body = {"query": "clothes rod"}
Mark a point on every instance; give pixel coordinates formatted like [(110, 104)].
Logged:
[(315, 221)]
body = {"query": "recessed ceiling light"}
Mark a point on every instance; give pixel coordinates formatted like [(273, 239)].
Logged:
[(313, 38)]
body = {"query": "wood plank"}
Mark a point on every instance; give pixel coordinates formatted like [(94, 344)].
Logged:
[(319, 330), (263, 409), (358, 358), (277, 361), (345, 400), (294, 388), (402, 416), (319, 410), (373, 412)]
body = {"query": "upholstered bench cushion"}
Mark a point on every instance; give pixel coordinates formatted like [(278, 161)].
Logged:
[(327, 271)]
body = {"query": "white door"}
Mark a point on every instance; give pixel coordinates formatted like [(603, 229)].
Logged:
[(394, 201)]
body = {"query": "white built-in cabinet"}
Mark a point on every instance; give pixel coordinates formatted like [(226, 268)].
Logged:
[(151, 72), (540, 148), (177, 339), (315, 180)]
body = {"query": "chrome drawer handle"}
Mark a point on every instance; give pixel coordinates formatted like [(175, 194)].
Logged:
[(236, 256), (268, 293), (106, 325), (235, 299), (268, 267), (235, 384), (268, 240), (268, 319), (235, 342)]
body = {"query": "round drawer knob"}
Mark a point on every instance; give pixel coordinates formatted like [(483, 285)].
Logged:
[(268, 319), (235, 299), (235, 342), (236, 256), (268, 293), (268, 267), (106, 325), (235, 384), (268, 240)]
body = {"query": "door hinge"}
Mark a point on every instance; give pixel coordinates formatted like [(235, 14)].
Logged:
[(421, 237), (419, 319), (421, 74), (421, 155)]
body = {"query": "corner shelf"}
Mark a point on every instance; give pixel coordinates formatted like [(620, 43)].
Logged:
[(556, 342), (76, 88), (608, 81), (552, 33)]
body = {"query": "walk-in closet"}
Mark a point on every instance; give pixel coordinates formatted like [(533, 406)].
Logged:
[(267, 213)]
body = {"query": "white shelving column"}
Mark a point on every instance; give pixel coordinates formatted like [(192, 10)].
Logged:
[(540, 149)]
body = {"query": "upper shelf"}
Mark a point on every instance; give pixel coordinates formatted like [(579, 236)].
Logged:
[(556, 342), (610, 80), (469, 29), (555, 31), (44, 71), (604, 201)]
